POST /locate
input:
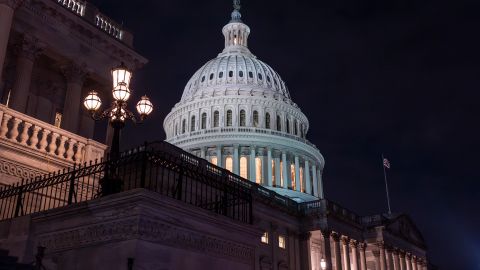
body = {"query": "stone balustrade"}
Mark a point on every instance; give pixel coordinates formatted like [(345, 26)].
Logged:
[(22, 130), (76, 6)]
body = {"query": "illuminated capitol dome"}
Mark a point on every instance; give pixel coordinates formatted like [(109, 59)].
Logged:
[(237, 113)]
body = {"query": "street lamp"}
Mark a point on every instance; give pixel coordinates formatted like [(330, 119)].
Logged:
[(323, 264), (118, 112)]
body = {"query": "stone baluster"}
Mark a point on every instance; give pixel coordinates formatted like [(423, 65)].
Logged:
[(13, 134), (61, 146), (345, 253), (70, 151), (79, 153), (34, 138), (53, 143), (43, 142), (24, 136), (363, 257), (4, 129)]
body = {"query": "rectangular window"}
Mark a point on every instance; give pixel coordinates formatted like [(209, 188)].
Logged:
[(214, 161), (281, 242), (58, 119), (258, 170), (243, 167), (265, 238)]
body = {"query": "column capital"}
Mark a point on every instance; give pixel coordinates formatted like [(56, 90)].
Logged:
[(14, 4), (401, 253), (326, 234), (362, 246), (353, 243), (74, 73), (381, 244), (29, 47), (345, 240), (335, 237)]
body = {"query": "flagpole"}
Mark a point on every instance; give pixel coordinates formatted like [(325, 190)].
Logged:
[(386, 185)]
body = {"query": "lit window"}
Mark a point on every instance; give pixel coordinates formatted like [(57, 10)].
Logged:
[(255, 118), (58, 119), (192, 124), (281, 174), (292, 174), (243, 167), (281, 242), (279, 123), (214, 160), (264, 238), (204, 120), (229, 164), (216, 118), (258, 170), (273, 173), (242, 118), (229, 118), (302, 188)]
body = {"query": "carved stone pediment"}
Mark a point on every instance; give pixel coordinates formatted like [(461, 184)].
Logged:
[(404, 227)]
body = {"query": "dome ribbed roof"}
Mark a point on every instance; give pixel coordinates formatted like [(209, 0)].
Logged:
[(237, 69)]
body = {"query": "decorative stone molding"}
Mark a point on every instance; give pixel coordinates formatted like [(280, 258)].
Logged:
[(19, 170), (148, 230), (14, 4)]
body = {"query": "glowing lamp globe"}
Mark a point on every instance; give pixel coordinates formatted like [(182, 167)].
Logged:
[(121, 93), (323, 264), (92, 102), (121, 77), (144, 106)]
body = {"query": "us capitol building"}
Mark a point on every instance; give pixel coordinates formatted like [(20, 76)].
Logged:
[(235, 185)]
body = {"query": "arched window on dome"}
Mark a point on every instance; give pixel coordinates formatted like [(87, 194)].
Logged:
[(240, 73), (229, 164), (220, 75), (295, 127), (243, 167), (255, 119), (184, 123), (216, 119), (203, 78), (242, 118), (279, 123), (192, 123), (250, 74), (211, 76), (267, 120), (204, 121), (230, 73), (287, 125), (260, 76), (229, 118)]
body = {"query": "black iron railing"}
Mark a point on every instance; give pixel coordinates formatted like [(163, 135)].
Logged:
[(158, 167)]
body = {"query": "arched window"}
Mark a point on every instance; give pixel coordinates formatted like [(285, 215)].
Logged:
[(243, 167), (258, 170), (242, 118), (230, 74), (229, 118), (216, 119), (229, 164), (255, 118), (295, 127), (267, 120), (220, 75), (288, 126), (184, 123), (204, 121), (279, 123), (192, 124), (240, 73)]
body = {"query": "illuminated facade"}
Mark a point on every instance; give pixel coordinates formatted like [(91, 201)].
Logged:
[(237, 112)]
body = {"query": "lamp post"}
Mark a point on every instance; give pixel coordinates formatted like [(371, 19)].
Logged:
[(117, 114)]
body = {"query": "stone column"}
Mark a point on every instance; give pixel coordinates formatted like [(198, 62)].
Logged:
[(396, 260), (253, 173), (297, 174), (320, 184), (277, 171), (28, 50), (75, 76), (7, 8), (345, 253), (327, 249), (219, 156), (383, 262), (284, 170), (414, 262), (269, 167), (315, 180), (305, 256), (306, 174), (389, 259), (236, 160), (408, 261), (353, 254), (336, 249), (403, 265), (363, 258)]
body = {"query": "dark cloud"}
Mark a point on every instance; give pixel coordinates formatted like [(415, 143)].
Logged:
[(399, 77)]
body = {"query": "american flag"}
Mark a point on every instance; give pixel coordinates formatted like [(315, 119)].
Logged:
[(386, 163)]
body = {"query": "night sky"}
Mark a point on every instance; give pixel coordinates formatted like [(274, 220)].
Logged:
[(398, 77)]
